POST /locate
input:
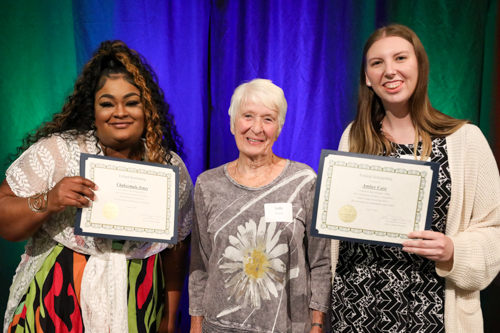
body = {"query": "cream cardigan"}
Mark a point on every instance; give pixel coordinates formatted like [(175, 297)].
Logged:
[(473, 223)]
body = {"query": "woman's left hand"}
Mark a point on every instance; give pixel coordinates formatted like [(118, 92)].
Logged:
[(317, 317), (432, 245)]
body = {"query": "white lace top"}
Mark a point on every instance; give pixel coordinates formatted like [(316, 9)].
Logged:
[(104, 282)]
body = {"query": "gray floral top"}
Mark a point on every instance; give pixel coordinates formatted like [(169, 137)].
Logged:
[(249, 274)]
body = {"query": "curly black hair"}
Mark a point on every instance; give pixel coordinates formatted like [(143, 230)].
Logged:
[(78, 114)]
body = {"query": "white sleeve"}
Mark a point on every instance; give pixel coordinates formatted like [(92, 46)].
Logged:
[(40, 167)]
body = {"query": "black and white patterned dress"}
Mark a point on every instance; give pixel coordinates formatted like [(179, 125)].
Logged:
[(382, 288)]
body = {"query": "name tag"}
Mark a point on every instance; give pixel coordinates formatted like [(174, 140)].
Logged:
[(278, 212), (411, 157)]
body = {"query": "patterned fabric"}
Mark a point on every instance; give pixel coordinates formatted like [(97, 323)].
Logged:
[(52, 303), (249, 274), (472, 223), (104, 281), (384, 289)]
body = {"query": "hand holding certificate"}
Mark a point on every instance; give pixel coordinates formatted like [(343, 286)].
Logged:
[(135, 200), (372, 199)]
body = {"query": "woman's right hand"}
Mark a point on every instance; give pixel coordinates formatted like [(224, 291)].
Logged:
[(196, 322), (71, 192)]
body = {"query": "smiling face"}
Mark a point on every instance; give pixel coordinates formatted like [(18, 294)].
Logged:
[(119, 114), (392, 71), (256, 130)]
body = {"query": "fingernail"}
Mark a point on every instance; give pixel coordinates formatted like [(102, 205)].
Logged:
[(96, 187)]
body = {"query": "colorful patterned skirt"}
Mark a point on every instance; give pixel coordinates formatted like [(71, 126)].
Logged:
[(52, 302)]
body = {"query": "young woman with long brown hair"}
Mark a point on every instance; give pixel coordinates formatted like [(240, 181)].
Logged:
[(433, 282)]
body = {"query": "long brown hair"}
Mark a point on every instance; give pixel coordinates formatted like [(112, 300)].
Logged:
[(366, 136), (78, 117)]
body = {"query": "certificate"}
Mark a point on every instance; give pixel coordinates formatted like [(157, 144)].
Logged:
[(372, 199), (134, 201)]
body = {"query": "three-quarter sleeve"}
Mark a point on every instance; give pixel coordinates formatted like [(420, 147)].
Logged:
[(201, 249), (185, 198), (319, 258)]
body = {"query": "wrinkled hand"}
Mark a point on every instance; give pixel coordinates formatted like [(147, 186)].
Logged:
[(432, 245), (317, 317), (73, 192)]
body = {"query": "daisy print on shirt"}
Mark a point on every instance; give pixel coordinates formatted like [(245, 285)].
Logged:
[(254, 269)]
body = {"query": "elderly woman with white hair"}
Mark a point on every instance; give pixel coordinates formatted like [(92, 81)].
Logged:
[(254, 265)]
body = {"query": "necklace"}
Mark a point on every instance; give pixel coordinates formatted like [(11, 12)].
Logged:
[(270, 168)]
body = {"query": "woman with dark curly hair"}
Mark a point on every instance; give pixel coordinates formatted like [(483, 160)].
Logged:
[(116, 109)]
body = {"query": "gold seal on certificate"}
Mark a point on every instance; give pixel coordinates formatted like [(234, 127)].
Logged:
[(135, 200), (372, 199), (347, 213), (110, 211)]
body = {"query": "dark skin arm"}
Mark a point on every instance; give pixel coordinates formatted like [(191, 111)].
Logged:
[(18, 222), (175, 265)]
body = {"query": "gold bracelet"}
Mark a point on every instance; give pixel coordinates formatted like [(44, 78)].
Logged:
[(36, 204)]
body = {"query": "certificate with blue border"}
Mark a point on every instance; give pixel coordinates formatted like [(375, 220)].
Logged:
[(372, 199), (135, 200)]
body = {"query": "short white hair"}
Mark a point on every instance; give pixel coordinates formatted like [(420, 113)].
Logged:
[(260, 92)]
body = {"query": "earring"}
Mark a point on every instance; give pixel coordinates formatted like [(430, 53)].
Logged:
[(369, 84)]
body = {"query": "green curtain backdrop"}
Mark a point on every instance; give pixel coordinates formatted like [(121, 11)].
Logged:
[(36, 76), (43, 45)]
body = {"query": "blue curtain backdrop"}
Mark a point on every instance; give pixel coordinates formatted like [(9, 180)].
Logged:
[(292, 43), (203, 49), (173, 37)]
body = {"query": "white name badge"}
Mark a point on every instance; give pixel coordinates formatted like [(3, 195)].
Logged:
[(278, 212), (412, 157)]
